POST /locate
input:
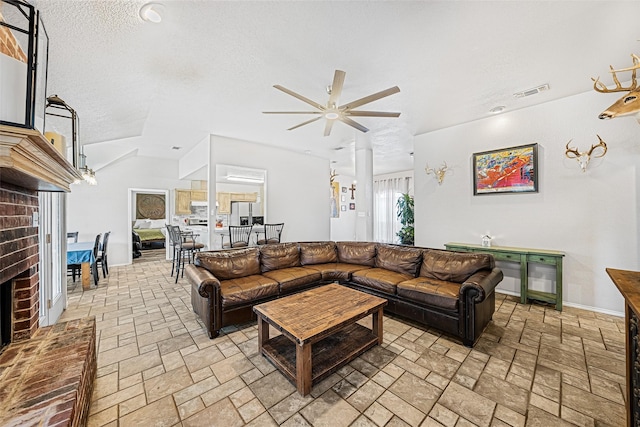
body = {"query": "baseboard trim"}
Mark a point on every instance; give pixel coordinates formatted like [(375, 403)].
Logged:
[(574, 305)]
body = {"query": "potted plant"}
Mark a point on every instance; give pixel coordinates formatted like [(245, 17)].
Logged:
[(405, 215)]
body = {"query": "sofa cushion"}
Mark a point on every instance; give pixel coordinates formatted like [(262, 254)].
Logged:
[(230, 264), (401, 259), (279, 255), (245, 290), (453, 266), (362, 253), (293, 278), (380, 279), (336, 271), (431, 292), (317, 253)]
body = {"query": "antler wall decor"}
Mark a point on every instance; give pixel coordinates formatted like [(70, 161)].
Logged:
[(332, 176), (584, 157), (438, 173), (628, 104)]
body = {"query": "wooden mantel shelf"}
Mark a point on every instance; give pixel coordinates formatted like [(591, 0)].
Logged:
[(28, 160)]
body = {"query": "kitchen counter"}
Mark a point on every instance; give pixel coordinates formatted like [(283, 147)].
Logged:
[(201, 232)]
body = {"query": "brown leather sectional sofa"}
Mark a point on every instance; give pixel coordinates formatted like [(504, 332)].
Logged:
[(451, 291)]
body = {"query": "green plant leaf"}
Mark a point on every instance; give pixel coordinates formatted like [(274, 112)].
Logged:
[(405, 215)]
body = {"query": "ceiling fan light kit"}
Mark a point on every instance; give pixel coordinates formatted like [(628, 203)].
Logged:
[(333, 111)]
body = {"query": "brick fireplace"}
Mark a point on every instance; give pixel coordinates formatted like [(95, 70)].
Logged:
[(18, 262), (46, 374)]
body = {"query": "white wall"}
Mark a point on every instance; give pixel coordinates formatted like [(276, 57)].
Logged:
[(295, 185), (591, 216), (344, 227), (104, 207), (195, 159)]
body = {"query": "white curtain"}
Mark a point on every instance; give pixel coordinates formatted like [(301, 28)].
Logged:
[(386, 193)]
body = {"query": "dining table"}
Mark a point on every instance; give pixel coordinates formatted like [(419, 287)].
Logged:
[(82, 253)]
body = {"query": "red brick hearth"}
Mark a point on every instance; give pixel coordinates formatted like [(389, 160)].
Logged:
[(47, 380)]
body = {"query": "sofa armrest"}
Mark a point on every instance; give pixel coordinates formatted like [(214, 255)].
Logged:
[(203, 278), (481, 284)]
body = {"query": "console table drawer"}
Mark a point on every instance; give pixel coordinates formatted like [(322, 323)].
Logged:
[(541, 259), (501, 256)]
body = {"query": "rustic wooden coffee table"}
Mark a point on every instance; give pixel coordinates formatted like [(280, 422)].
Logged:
[(319, 331)]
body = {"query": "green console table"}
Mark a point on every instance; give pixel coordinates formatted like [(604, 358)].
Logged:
[(524, 256)]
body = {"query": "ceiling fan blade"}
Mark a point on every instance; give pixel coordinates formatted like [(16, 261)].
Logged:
[(305, 123), (292, 112), (353, 123), (371, 113), (336, 88), (300, 97), (370, 98), (327, 127)]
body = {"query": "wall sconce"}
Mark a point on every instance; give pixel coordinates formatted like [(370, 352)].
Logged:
[(438, 173), (584, 157)]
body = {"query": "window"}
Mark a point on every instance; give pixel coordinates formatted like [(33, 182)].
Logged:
[(386, 193)]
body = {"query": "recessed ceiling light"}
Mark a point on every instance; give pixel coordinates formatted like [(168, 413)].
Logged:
[(498, 109), (150, 12), (307, 151)]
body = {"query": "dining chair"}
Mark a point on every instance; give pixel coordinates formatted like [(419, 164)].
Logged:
[(73, 270), (185, 246), (102, 255), (272, 233), (238, 236), (94, 266), (174, 241)]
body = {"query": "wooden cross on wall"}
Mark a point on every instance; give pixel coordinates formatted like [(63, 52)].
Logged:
[(352, 189)]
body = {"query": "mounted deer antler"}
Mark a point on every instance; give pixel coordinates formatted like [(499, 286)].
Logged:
[(439, 173), (628, 104), (332, 176), (583, 158)]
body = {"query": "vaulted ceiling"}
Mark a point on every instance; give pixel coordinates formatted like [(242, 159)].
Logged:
[(209, 67)]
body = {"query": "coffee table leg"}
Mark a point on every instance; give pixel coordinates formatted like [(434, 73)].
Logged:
[(377, 325), (303, 369), (263, 332)]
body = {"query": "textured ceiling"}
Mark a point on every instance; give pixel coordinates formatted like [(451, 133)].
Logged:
[(209, 67)]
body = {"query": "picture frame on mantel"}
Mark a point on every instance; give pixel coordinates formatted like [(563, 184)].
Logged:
[(506, 170)]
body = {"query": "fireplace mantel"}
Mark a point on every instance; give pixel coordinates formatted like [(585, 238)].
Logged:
[(28, 160)]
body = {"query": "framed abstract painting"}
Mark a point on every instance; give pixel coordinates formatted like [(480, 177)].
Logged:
[(507, 170)]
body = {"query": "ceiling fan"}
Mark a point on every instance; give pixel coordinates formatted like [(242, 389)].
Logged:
[(332, 111)]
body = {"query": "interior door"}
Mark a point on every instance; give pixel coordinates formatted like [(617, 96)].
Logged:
[(53, 257)]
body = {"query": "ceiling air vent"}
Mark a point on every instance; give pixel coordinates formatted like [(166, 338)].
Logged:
[(531, 91)]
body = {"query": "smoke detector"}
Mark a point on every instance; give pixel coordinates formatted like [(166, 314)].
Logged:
[(532, 91)]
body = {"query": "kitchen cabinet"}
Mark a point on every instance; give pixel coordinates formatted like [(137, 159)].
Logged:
[(185, 197), (199, 195), (244, 197), (224, 203), (183, 202)]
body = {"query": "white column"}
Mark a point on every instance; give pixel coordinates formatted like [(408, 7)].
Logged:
[(364, 188)]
